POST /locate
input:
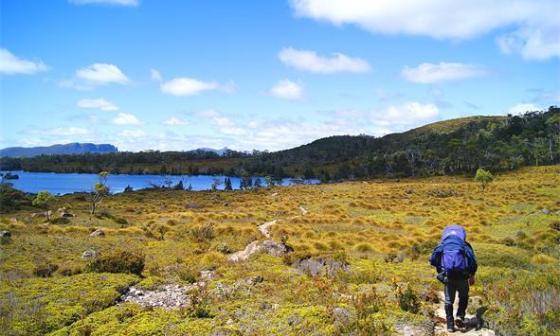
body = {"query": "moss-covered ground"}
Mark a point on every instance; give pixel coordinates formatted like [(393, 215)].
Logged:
[(384, 229)]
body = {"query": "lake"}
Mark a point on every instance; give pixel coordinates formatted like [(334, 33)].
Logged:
[(62, 183)]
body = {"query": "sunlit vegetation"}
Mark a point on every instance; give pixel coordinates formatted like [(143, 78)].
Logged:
[(450, 147), (382, 229)]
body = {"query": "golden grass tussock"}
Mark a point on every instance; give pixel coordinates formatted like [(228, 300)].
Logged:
[(380, 225)]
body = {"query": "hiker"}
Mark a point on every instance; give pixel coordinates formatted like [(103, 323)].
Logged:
[(456, 265)]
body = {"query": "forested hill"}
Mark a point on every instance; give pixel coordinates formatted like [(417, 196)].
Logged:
[(447, 147)]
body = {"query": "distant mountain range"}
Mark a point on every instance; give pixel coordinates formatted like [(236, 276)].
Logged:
[(71, 148)]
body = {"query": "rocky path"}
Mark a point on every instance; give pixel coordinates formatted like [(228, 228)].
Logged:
[(268, 246), (265, 228), (470, 330)]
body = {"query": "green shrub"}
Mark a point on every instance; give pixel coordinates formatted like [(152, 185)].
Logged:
[(408, 300), (45, 271), (202, 233), (12, 199), (118, 261)]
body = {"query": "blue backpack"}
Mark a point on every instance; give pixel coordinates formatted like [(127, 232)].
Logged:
[(453, 256)]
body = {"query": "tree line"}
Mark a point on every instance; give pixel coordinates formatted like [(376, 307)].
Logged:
[(458, 146)]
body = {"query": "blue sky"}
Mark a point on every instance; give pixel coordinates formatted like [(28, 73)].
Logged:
[(178, 75)]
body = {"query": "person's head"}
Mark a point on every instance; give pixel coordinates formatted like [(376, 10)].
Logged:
[(454, 230)]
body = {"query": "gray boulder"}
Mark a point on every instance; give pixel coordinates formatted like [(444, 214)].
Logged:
[(316, 266), (89, 254), (97, 233), (343, 317)]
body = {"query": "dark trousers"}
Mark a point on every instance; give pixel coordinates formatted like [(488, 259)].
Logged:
[(461, 287)]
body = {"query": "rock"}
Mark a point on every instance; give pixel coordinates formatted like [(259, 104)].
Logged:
[(545, 211), (268, 246), (265, 228), (276, 249), (294, 320), (342, 317), (303, 210), (88, 254), (254, 280), (41, 214), (5, 234), (97, 233), (316, 266), (207, 274), (406, 329), (167, 296)]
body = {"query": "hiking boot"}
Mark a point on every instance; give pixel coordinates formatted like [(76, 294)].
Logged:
[(450, 326)]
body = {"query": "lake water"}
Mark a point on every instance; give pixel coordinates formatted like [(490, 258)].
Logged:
[(60, 183)]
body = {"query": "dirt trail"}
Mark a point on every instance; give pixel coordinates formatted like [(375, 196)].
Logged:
[(441, 329), (265, 228), (269, 246)]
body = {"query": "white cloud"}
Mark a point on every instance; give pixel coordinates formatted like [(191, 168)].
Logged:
[(307, 60), (126, 119), (67, 131), (184, 86), (98, 103), (408, 113), (101, 74), (521, 108), (530, 27), (427, 73), (286, 89), (10, 64), (132, 133), (156, 75), (223, 123), (174, 121), (106, 2)]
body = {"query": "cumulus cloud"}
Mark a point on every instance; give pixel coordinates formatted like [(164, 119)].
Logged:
[(223, 123), (427, 73), (409, 113), (530, 27), (521, 108), (10, 64), (184, 86), (174, 121), (126, 119), (310, 61), (106, 2), (286, 89), (98, 103), (101, 74), (156, 75)]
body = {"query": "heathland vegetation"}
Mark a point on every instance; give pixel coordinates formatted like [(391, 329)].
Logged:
[(344, 258), (457, 146)]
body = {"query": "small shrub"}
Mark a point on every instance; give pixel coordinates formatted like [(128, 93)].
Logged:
[(555, 225), (118, 261), (223, 248), (408, 300), (187, 274), (202, 233), (45, 271), (367, 303)]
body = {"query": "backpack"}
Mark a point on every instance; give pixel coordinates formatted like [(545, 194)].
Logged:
[(450, 256), (454, 261)]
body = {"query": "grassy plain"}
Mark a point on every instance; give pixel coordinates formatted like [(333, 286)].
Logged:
[(384, 229)]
